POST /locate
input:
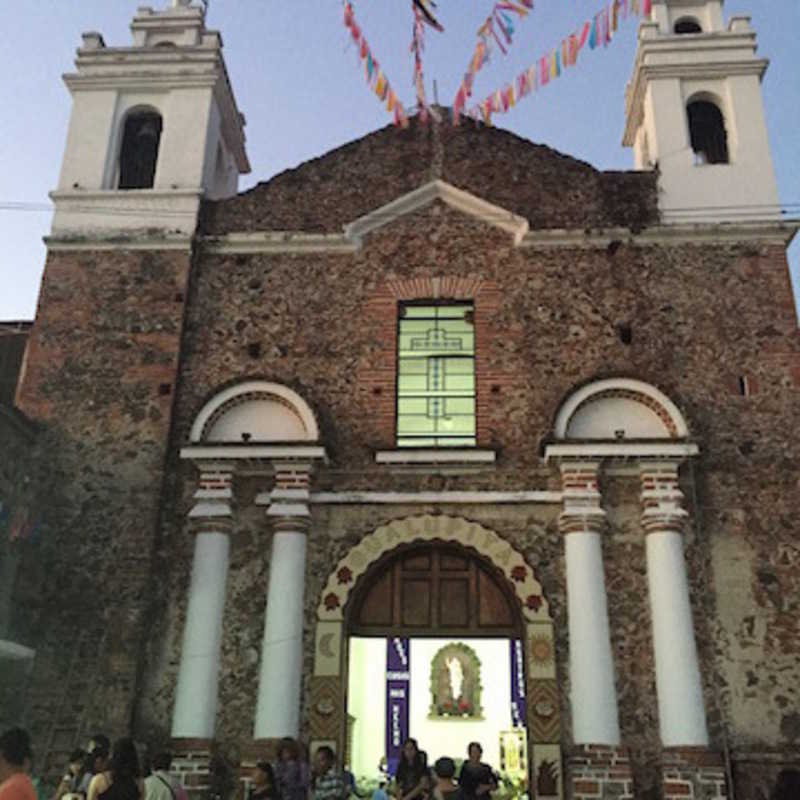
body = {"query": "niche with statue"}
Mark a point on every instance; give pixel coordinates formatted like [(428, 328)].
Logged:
[(456, 684)]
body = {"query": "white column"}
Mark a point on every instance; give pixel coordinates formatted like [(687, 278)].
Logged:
[(195, 709), (280, 676), (681, 711), (593, 695)]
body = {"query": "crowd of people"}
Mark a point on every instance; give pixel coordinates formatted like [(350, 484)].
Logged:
[(103, 772)]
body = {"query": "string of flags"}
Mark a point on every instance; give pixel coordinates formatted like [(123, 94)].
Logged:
[(376, 78), (423, 14), (595, 32), (496, 31)]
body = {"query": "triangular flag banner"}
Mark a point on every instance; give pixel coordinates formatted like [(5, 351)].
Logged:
[(597, 30)]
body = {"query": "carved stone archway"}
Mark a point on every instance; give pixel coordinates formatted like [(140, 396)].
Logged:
[(326, 705)]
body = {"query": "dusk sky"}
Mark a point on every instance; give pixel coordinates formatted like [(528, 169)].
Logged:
[(298, 80)]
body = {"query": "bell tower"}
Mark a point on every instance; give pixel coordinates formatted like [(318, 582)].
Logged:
[(695, 112), (154, 128)]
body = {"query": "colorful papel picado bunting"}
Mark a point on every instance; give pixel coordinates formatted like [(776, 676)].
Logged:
[(376, 78), (497, 31), (595, 32)]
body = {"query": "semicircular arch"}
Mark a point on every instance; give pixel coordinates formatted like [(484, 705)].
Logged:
[(499, 552), (593, 411), (255, 411)]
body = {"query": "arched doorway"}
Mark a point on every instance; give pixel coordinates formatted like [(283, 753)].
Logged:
[(447, 581)]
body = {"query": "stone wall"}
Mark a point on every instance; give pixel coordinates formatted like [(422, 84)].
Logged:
[(546, 322), (100, 379)]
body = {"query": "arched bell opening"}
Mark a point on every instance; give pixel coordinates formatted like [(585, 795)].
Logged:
[(687, 25), (707, 132), (138, 158)]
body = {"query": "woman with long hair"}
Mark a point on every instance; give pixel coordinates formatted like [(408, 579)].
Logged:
[(122, 781), (411, 780)]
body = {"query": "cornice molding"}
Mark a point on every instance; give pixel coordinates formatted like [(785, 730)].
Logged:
[(427, 194)]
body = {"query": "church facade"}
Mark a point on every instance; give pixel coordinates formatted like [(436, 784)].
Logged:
[(439, 381)]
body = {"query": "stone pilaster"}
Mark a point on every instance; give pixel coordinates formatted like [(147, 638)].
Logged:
[(280, 677), (681, 712), (593, 697), (210, 521)]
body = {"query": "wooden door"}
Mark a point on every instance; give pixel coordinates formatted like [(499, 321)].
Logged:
[(434, 589)]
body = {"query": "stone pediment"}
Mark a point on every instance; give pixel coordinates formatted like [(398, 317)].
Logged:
[(391, 168), (426, 195)]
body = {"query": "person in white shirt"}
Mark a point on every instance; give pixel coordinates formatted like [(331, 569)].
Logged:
[(160, 785)]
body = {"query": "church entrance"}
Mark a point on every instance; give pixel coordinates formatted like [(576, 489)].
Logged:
[(435, 652), (437, 628)]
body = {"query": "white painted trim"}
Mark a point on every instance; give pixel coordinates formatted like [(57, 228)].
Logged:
[(15, 652), (118, 242), (279, 242), (435, 456), (582, 395), (428, 498), (419, 198), (768, 231), (748, 230), (630, 450), (268, 452), (290, 397)]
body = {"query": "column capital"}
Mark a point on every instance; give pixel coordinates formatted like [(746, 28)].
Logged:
[(214, 500), (662, 498), (583, 512), (287, 501)]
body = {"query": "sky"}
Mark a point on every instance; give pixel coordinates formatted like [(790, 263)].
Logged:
[(298, 80)]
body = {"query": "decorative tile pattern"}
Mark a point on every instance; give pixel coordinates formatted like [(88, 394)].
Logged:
[(326, 707), (541, 651), (544, 712), (425, 528), (547, 773), (328, 649)]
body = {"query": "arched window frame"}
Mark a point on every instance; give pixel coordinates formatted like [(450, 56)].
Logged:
[(716, 102), (134, 111), (685, 22)]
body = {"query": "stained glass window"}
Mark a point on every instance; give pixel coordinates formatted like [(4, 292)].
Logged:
[(436, 376)]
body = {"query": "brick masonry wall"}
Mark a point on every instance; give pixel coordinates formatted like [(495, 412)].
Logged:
[(100, 377), (701, 317)]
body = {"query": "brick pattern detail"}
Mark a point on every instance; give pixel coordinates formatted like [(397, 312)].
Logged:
[(662, 499), (378, 377), (693, 774), (600, 771), (214, 481), (291, 477), (191, 765), (582, 510)]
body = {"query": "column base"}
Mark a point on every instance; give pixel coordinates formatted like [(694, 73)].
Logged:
[(191, 765), (599, 771), (693, 773)]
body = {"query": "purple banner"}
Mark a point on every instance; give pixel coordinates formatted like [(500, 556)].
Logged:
[(397, 699), (518, 706)]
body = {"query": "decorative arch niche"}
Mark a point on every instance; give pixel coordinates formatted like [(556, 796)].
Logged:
[(619, 409), (326, 702), (255, 411)]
